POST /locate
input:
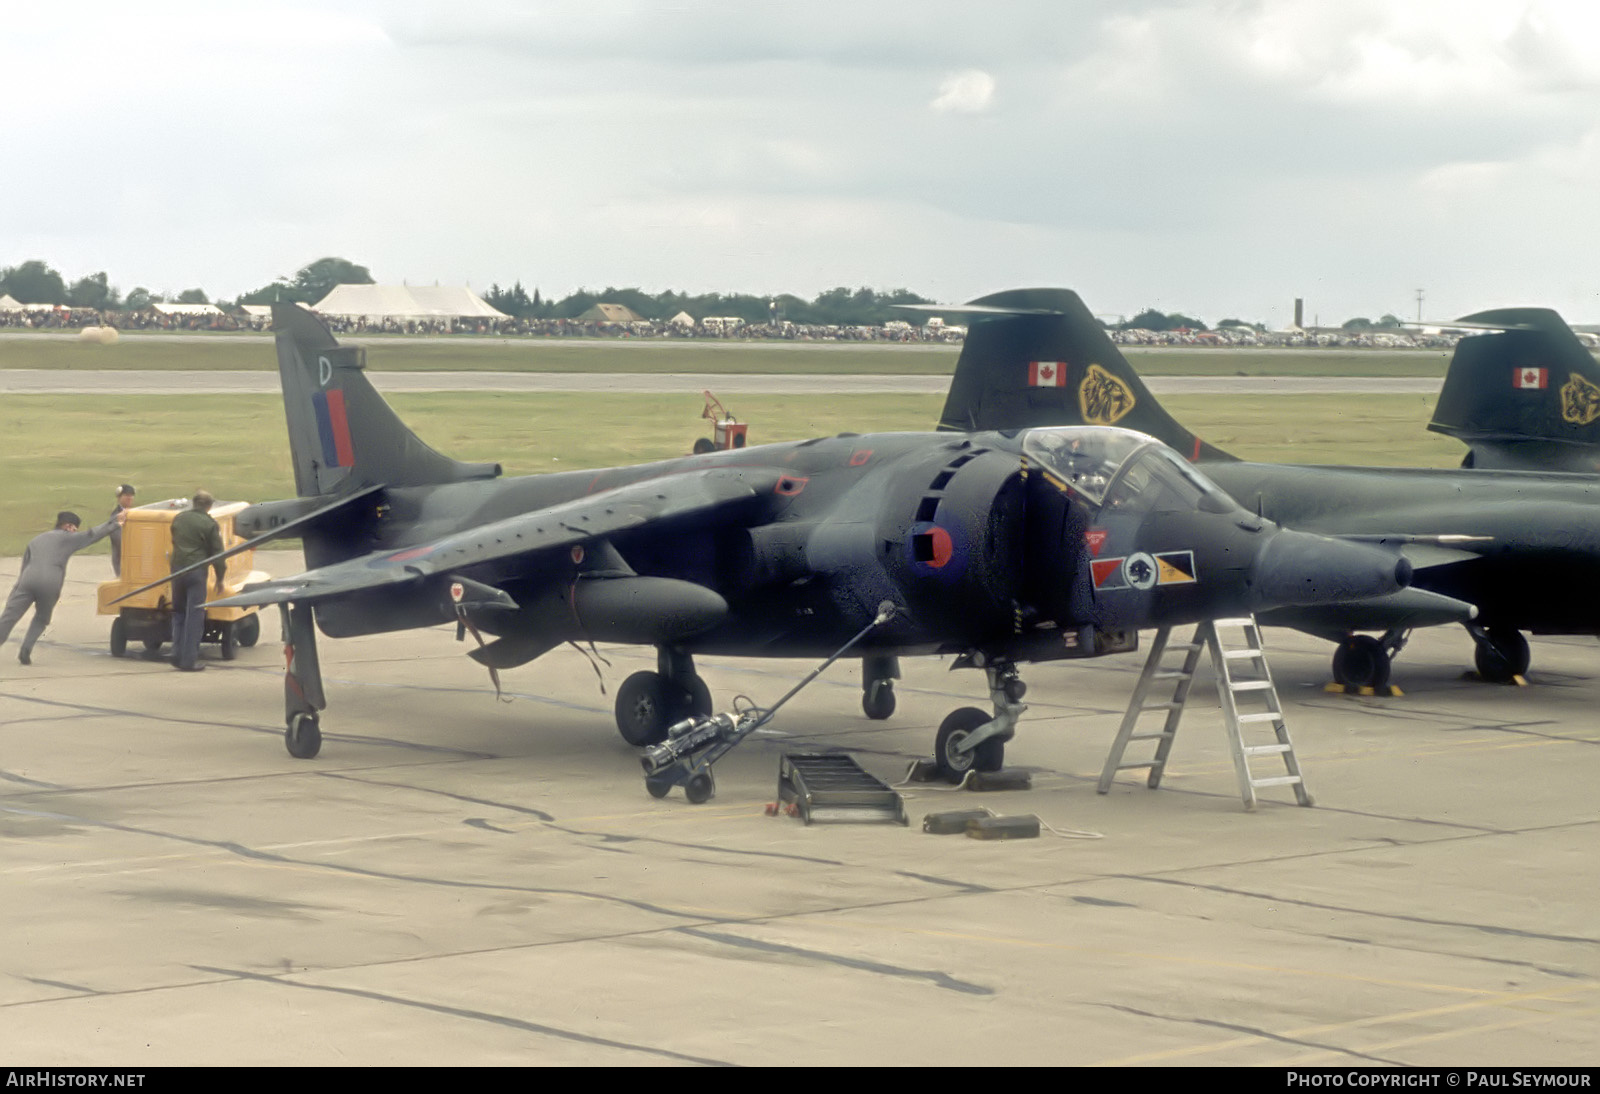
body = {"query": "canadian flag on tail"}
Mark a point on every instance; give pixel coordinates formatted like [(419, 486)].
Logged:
[(1531, 377), (1047, 374)]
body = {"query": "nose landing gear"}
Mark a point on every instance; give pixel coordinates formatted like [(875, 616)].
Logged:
[(971, 740), (1502, 653), (1362, 661)]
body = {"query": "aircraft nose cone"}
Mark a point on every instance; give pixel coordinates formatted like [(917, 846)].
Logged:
[(1299, 568)]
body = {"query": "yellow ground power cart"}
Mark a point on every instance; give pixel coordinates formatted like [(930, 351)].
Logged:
[(147, 618)]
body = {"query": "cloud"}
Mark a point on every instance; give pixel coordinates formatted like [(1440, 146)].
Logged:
[(969, 92)]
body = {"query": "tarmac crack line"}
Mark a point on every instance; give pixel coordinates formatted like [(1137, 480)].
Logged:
[(1486, 928), (549, 821), (1250, 1031), (251, 853), (165, 718), (462, 1012), (938, 979)]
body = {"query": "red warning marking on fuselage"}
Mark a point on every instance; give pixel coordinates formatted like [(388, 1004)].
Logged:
[(1095, 538), (1107, 573)]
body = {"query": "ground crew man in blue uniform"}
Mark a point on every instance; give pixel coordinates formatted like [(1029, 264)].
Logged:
[(44, 572), (195, 537)]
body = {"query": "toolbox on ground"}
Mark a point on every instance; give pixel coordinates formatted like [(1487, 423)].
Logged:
[(147, 618)]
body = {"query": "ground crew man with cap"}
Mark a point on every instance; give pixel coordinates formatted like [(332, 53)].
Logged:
[(195, 537), (44, 572), (124, 501)]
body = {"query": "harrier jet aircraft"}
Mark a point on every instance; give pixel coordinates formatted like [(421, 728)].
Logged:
[(1002, 548), (1522, 547)]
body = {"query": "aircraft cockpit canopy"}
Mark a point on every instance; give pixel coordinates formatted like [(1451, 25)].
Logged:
[(1122, 469)]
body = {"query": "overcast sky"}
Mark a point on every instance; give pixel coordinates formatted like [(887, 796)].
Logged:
[(1212, 157)]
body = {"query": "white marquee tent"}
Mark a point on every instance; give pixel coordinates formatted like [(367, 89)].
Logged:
[(405, 302)]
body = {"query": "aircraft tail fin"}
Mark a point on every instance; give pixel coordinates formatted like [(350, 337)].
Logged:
[(1038, 357), (343, 436), (1526, 397)]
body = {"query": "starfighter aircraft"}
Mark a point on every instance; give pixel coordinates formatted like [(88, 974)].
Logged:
[(1500, 552), (1000, 548)]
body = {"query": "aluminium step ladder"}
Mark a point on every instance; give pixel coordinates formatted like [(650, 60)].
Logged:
[(1242, 675), (832, 787)]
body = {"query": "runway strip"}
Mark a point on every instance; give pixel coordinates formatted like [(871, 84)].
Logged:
[(203, 382)]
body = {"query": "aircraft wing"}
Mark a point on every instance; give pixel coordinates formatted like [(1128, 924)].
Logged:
[(564, 525), (294, 527)]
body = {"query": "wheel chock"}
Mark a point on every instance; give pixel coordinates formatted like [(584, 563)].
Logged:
[(1023, 827), (949, 824), (1388, 691), (1007, 778)]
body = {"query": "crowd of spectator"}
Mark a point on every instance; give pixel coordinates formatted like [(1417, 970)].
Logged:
[(145, 319)]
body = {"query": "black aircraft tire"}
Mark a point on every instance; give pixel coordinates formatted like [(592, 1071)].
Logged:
[(957, 727), (877, 700), (642, 711), (303, 738), (1360, 662), (1505, 655), (700, 788), (699, 698), (248, 630), (990, 755), (119, 637)]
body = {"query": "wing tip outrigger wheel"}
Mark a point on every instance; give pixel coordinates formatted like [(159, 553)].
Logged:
[(303, 738)]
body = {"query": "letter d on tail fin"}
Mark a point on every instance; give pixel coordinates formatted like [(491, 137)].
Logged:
[(343, 436), (1524, 398), (1037, 357)]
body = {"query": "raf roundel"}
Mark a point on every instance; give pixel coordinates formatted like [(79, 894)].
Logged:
[(1140, 571)]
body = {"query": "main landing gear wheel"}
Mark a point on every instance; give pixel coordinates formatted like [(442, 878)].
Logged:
[(877, 699), (700, 788), (119, 637), (1360, 661), (1501, 654), (647, 703), (303, 738), (957, 727)]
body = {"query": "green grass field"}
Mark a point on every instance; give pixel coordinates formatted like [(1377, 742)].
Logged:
[(399, 354), (71, 451)]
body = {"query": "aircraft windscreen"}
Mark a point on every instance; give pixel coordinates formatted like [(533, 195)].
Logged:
[(1122, 469), (1085, 459)]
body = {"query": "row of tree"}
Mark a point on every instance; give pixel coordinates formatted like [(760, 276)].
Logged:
[(35, 282), (1150, 319), (835, 307)]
